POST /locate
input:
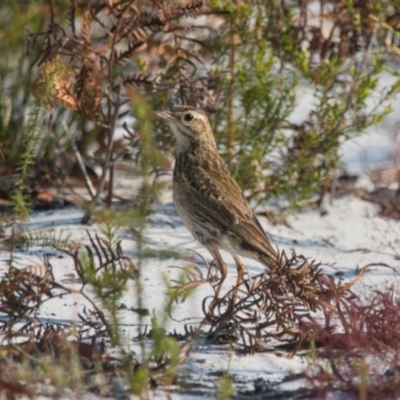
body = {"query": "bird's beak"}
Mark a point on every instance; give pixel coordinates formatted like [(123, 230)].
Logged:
[(163, 115)]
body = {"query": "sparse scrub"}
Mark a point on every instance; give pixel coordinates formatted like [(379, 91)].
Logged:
[(334, 50), (244, 62), (81, 348)]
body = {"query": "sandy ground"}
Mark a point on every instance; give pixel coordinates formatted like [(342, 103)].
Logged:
[(350, 235)]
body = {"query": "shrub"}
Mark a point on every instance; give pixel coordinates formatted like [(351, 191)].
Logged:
[(273, 53)]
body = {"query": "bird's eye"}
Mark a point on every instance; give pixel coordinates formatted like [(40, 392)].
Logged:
[(188, 117)]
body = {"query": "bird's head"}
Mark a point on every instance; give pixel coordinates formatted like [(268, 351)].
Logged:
[(190, 126)]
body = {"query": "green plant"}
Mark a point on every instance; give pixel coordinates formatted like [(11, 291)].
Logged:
[(108, 281), (26, 145), (15, 78), (30, 141), (274, 52), (42, 239), (225, 388)]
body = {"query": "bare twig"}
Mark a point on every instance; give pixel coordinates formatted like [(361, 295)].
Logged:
[(82, 167)]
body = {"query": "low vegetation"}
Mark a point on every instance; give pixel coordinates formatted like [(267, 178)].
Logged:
[(81, 101)]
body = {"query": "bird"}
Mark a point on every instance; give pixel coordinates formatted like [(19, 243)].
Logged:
[(209, 200)]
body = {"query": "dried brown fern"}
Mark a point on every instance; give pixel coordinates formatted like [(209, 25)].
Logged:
[(111, 46), (294, 304), (53, 86)]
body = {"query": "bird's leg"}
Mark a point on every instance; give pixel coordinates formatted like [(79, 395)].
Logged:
[(240, 272), (220, 265)]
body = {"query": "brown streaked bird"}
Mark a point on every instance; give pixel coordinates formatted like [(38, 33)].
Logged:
[(209, 200)]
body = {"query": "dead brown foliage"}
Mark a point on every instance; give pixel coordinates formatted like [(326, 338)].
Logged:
[(24, 291), (28, 337), (81, 62), (104, 60), (298, 303), (299, 306), (296, 306), (360, 341)]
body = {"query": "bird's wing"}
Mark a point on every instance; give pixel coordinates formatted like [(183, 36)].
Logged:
[(221, 199)]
